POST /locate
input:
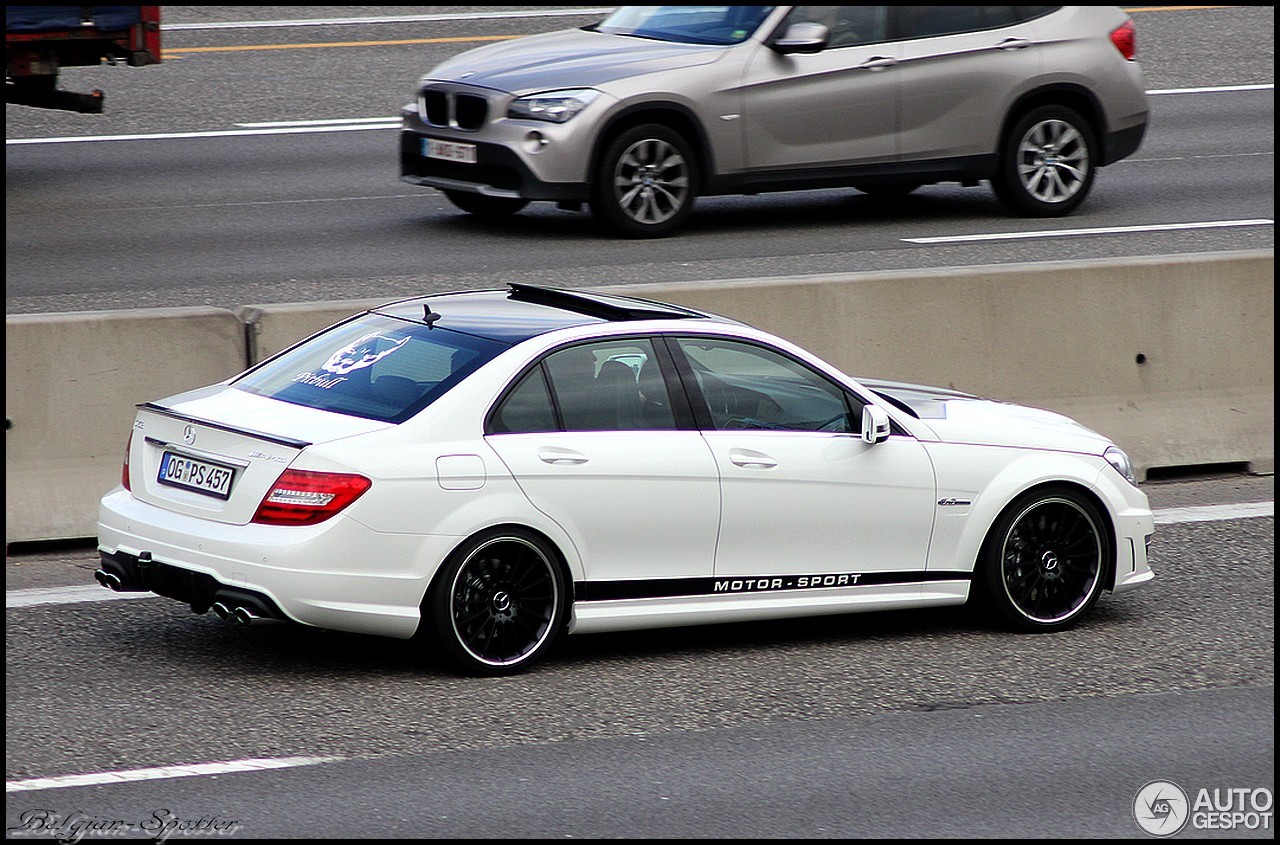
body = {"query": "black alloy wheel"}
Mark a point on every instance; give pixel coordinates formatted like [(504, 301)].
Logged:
[(499, 603), (1046, 559)]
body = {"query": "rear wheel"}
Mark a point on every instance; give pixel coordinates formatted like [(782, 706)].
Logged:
[(482, 205), (1045, 560), (1047, 163), (499, 603), (646, 182)]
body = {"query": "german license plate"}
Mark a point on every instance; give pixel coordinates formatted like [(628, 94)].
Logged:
[(449, 151), (207, 477)]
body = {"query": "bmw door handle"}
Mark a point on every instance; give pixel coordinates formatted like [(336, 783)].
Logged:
[(1013, 44), (561, 457), (748, 459), (878, 63)]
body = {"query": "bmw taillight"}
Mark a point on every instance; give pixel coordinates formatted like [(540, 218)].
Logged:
[(301, 497), (1125, 37), (124, 471)]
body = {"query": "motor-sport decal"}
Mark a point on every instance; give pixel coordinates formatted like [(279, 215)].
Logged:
[(715, 585)]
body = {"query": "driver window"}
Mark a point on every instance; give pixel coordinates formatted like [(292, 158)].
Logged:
[(750, 387), (849, 25)]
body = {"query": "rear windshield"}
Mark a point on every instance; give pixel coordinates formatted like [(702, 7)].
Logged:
[(376, 367), (687, 24)]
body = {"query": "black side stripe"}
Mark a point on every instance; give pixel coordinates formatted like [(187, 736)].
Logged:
[(657, 588)]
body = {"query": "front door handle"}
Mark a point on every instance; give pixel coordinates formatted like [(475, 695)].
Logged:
[(1013, 44), (878, 63), (750, 459)]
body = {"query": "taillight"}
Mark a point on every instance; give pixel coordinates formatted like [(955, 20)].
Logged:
[(124, 471), (301, 497), (1125, 37)]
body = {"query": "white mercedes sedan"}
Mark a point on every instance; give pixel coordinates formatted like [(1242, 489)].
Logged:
[(489, 470)]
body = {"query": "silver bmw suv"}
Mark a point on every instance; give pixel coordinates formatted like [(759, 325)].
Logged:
[(640, 114)]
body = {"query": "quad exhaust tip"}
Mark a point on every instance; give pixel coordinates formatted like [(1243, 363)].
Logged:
[(109, 580), (245, 616), (220, 610)]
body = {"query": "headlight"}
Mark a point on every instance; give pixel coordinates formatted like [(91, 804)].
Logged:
[(1118, 459), (553, 106)]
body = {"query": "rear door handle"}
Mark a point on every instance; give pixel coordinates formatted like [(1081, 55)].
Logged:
[(1013, 44), (560, 457), (750, 459)]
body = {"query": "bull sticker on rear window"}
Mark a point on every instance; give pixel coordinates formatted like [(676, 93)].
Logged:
[(363, 353)]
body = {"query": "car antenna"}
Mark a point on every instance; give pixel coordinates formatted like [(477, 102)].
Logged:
[(430, 316)]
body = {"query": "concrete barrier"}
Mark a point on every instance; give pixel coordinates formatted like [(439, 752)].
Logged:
[(1172, 357), (71, 384)]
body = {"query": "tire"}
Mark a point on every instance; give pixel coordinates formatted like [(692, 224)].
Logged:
[(1046, 560), (500, 602), (485, 206), (888, 190), (646, 182), (1047, 163)]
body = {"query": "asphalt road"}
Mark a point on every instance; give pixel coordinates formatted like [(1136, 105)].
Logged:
[(247, 219), (897, 724)]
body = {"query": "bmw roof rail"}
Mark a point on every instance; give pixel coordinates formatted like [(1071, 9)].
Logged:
[(602, 306)]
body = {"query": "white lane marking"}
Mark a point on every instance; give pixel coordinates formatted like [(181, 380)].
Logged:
[(85, 593), (65, 595), (344, 121), (1102, 230), (1219, 89), (216, 133), (1214, 513), (164, 772), (395, 19)]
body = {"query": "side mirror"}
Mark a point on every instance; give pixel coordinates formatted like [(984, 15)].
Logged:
[(875, 424), (802, 38)]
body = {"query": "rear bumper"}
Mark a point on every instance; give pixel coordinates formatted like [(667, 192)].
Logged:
[(339, 575)]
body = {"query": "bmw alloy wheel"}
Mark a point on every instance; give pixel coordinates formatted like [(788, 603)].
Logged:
[(1047, 166), (646, 182)]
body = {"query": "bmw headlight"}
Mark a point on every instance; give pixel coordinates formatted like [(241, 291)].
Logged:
[(1118, 459), (553, 106)]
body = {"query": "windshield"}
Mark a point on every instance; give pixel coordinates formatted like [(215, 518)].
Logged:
[(377, 367), (687, 24)]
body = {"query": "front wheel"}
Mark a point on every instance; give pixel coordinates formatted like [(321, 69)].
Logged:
[(482, 205), (646, 182), (1047, 163), (499, 603), (1045, 560)]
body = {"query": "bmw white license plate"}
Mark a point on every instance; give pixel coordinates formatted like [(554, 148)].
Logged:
[(449, 151), (204, 477)]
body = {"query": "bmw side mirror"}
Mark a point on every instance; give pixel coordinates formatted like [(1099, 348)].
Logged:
[(802, 38), (875, 424)]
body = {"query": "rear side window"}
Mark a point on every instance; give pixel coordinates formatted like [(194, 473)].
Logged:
[(376, 367), (614, 385)]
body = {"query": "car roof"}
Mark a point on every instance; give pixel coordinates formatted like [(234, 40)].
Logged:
[(524, 311)]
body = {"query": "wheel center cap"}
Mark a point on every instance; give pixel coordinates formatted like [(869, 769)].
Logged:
[(1050, 561), (502, 601)]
